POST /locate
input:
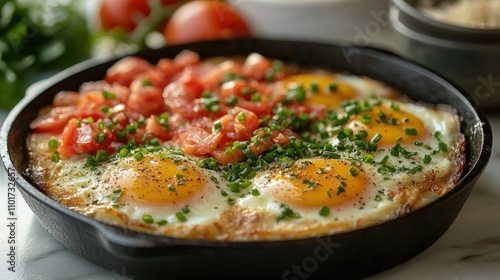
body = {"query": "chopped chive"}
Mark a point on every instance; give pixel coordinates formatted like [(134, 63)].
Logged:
[(102, 155), (443, 147), (55, 157), (354, 171), (366, 119), (139, 156), (232, 101), (340, 190), (411, 131), (324, 211), (437, 135), (180, 216), (122, 134), (395, 107), (217, 125), (314, 86), (100, 137), (124, 152), (427, 159), (53, 144), (368, 158), (108, 95), (131, 129), (287, 162), (376, 138), (241, 117), (332, 87), (185, 210), (162, 222), (148, 219), (286, 213), (256, 97)]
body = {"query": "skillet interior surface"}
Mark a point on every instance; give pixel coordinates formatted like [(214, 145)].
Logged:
[(348, 255)]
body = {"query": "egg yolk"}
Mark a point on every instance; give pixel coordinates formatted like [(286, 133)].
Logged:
[(320, 183), (394, 126), (321, 90), (159, 181)]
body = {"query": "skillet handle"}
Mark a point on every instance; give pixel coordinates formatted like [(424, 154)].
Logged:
[(130, 244)]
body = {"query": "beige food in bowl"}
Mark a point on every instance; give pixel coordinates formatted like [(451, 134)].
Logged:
[(466, 13)]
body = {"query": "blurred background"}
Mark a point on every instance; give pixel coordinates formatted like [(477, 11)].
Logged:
[(39, 38)]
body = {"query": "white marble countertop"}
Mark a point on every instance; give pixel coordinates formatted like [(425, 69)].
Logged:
[(470, 249)]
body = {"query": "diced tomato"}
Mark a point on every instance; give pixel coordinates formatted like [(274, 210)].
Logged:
[(154, 127), (212, 79), (94, 86), (187, 58), (55, 120), (120, 92), (225, 158), (172, 67), (90, 105), (66, 98), (146, 100), (256, 66), (240, 125), (79, 137), (197, 138), (244, 91), (168, 67), (179, 95), (194, 141), (126, 70)]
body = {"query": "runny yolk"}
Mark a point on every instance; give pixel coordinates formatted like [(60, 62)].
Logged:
[(395, 126), (321, 90), (317, 183), (159, 181)]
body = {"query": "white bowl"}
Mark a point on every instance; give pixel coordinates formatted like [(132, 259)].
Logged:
[(360, 21)]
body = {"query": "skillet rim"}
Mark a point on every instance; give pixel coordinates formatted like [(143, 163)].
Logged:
[(149, 240)]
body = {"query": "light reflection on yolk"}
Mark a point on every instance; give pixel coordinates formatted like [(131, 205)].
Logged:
[(325, 96), (319, 183), (159, 181), (391, 124)]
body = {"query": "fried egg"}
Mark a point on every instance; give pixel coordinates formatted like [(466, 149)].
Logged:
[(150, 193)]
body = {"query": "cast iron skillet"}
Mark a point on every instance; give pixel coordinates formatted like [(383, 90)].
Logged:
[(348, 255)]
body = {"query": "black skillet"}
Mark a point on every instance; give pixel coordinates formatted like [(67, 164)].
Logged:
[(348, 255)]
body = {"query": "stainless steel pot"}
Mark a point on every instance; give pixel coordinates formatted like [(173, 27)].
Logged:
[(468, 56)]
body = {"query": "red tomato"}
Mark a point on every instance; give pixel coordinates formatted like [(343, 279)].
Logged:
[(78, 138), (55, 120), (124, 14), (240, 125), (90, 105), (66, 98), (126, 70), (180, 95), (256, 66), (204, 20), (154, 127), (146, 100)]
